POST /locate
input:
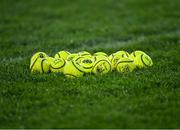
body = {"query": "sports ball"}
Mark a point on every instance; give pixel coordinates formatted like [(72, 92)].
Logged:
[(72, 56), (62, 54), (84, 53), (117, 56), (125, 65), (57, 65), (36, 56), (73, 69), (100, 53), (101, 65), (134, 54), (86, 62), (143, 61), (40, 65)]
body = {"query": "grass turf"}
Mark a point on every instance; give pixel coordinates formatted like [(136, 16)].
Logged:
[(147, 98)]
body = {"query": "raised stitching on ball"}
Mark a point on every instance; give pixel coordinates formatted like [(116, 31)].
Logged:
[(77, 67), (33, 63), (42, 65), (143, 60)]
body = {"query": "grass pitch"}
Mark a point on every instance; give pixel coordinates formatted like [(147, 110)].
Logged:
[(147, 98)]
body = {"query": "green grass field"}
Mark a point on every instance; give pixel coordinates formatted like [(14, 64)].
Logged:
[(147, 98)]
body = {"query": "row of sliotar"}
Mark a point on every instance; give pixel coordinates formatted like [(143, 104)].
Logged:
[(78, 64)]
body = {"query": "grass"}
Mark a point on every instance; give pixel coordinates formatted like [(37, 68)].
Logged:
[(147, 98)]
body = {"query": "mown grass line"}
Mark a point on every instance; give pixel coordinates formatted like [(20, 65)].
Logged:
[(103, 45)]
